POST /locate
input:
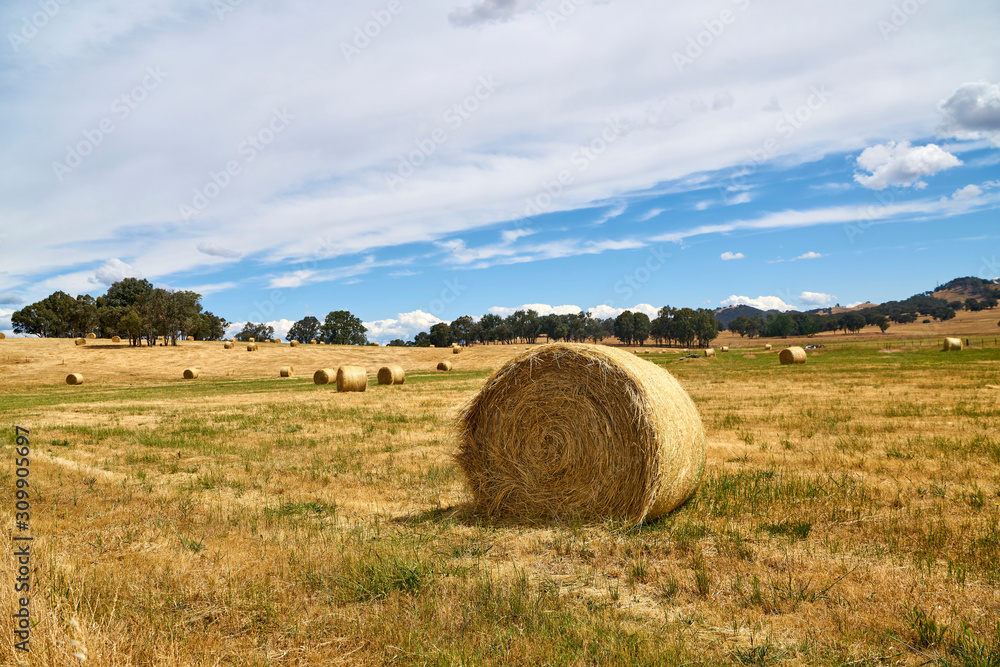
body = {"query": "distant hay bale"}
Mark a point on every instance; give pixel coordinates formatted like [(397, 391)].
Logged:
[(324, 376), (430, 346), (190, 338), (952, 344), (252, 347), (227, 345), (571, 431), (444, 366), (286, 371), (2, 335), (391, 375), (767, 346), (710, 352), (91, 336), (312, 342), (792, 355), (81, 341), (724, 348), (191, 373), (74, 379), (352, 378), (114, 339), (456, 350), (251, 340), (293, 343)]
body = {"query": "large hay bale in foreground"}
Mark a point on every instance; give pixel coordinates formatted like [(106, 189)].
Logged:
[(444, 366), (91, 336), (572, 431), (81, 341), (352, 378), (391, 375), (191, 373), (952, 344), (116, 339), (74, 379), (792, 355), (710, 352), (286, 371), (324, 376)]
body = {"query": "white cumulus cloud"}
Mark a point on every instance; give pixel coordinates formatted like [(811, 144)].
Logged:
[(540, 308), (973, 110), (762, 302), (809, 255), (404, 326), (113, 271), (728, 256), (902, 164), (816, 299), (603, 312), (968, 192)]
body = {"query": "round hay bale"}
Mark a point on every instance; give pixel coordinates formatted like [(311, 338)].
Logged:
[(81, 341), (91, 336), (293, 343), (391, 375), (74, 379), (286, 371), (724, 348), (792, 355), (456, 350), (767, 346), (571, 431), (191, 373), (444, 366), (190, 339), (252, 347), (2, 335), (227, 345), (710, 352), (312, 342), (251, 340), (430, 346), (352, 378), (952, 344), (116, 339), (324, 376)]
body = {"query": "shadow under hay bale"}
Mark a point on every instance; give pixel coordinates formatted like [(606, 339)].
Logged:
[(570, 431), (352, 378), (792, 355), (391, 375)]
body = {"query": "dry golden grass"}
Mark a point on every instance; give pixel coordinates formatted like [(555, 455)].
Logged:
[(850, 511)]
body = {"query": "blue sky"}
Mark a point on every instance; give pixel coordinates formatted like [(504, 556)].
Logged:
[(417, 162)]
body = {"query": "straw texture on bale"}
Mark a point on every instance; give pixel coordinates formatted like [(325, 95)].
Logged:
[(324, 376), (293, 343), (952, 344), (570, 431), (352, 378), (312, 342), (444, 366), (251, 340), (81, 341), (252, 347), (710, 352), (91, 336), (792, 355), (456, 350), (724, 348), (116, 339), (74, 378), (286, 371), (191, 373), (391, 375), (190, 338), (2, 335), (228, 345)]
